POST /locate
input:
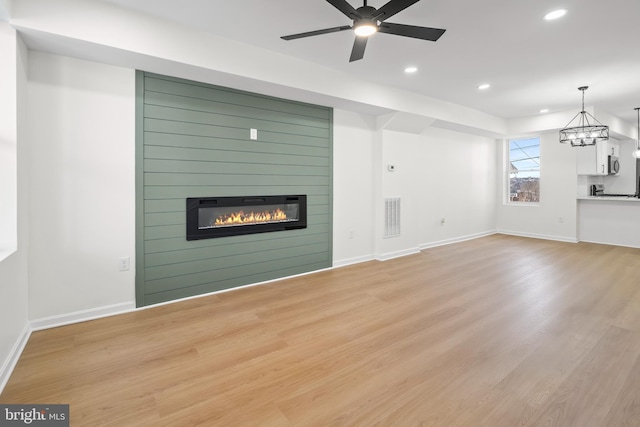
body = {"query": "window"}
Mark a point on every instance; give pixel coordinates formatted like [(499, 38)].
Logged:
[(524, 170)]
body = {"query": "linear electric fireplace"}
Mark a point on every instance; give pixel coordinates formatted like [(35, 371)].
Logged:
[(211, 217)]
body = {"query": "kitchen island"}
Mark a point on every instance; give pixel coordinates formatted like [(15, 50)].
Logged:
[(609, 220)]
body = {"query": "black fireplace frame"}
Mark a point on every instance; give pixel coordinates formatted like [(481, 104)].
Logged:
[(195, 203)]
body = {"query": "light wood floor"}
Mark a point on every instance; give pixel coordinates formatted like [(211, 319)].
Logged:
[(498, 331)]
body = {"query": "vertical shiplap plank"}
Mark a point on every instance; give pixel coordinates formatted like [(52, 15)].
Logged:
[(140, 204)]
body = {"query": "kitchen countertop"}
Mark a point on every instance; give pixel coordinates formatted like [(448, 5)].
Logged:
[(610, 199)]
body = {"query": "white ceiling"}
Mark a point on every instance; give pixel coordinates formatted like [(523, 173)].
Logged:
[(530, 63)]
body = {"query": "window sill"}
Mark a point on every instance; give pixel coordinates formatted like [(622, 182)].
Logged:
[(531, 204)]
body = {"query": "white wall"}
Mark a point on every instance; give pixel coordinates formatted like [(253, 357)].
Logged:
[(8, 141), (353, 187), (5, 10), (438, 174), (400, 149), (82, 184), (555, 216), (459, 172), (14, 321)]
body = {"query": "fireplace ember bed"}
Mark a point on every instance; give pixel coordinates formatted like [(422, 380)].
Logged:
[(211, 217)]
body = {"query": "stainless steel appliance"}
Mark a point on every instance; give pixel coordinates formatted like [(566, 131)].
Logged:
[(596, 190), (614, 165)]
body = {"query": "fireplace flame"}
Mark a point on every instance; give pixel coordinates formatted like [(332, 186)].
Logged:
[(242, 218)]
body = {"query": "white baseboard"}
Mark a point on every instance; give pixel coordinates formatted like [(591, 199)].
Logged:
[(457, 239), (10, 363), (538, 236), (351, 261), (82, 316), (610, 244), (397, 254)]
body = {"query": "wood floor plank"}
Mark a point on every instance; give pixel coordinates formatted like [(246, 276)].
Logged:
[(515, 399), (626, 409), (588, 394), (497, 331)]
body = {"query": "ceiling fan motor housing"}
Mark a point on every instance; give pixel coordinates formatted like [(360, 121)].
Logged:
[(366, 17), (366, 12)]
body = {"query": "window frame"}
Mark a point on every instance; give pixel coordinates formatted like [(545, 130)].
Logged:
[(507, 171)]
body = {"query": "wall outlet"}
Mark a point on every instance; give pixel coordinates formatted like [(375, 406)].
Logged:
[(253, 134), (561, 219), (351, 233), (443, 220), (124, 264)]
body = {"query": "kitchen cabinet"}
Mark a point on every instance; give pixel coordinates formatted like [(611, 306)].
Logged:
[(594, 159), (614, 149)]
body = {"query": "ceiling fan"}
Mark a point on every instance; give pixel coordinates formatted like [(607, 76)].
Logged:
[(368, 20)]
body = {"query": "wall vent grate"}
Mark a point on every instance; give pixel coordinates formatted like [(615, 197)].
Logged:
[(391, 217)]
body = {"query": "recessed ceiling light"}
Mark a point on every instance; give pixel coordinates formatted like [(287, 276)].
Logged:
[(410, 70), (555, 14), (484, 86), (544, 110)]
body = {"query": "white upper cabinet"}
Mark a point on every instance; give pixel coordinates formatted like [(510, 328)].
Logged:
[(594, 159)]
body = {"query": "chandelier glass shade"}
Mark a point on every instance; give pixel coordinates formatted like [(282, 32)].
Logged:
[(583, 129)]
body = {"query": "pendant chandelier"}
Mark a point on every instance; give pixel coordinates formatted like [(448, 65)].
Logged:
[(636, 153), (580, 131)]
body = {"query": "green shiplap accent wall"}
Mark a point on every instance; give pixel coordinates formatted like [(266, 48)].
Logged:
[(192, 140)]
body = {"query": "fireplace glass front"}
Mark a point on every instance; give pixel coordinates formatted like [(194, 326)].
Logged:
[(212, 217)]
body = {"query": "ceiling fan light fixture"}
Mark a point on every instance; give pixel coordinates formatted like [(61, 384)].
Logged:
[(365, 29), (367, 20), (581, 131)]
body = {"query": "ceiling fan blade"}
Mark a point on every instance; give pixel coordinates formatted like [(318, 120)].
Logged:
[(316, 33), (393, 7), (345, 8), (357, 52), (424, 33)]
